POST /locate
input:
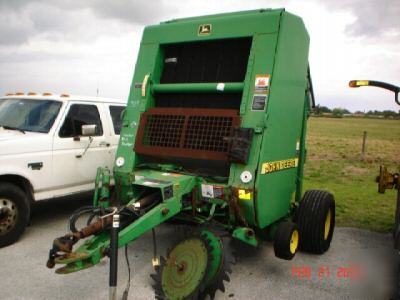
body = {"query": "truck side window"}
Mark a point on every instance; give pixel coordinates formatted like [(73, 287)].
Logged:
[(115, 112), (78, 115)]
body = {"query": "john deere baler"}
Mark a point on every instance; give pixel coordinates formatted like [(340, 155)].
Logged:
[(213, 138)]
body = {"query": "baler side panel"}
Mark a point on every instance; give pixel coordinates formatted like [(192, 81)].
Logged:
[(148, 63), (261, 62), (284, 121)]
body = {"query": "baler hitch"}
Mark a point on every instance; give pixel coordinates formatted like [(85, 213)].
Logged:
[(63, 245)]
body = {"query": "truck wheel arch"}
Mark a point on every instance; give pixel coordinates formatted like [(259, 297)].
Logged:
[(20, 181)]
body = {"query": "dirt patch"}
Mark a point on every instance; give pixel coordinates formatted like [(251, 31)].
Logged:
[(353, 170)]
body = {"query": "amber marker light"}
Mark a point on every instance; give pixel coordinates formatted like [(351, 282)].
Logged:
[(358, 83)]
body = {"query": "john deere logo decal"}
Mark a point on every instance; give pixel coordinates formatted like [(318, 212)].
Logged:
[(204, 29), (274, 166)]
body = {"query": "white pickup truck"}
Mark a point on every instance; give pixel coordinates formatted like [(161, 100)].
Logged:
[(51, 146)]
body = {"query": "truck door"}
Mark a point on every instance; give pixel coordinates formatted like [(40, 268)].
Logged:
[(73, 170)]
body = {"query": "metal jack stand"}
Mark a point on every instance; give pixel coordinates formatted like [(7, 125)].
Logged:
[(114, 258)]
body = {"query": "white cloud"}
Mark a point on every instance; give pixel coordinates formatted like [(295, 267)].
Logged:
[(76, 45)]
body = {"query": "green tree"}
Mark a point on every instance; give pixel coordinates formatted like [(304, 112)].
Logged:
[(337, 113)]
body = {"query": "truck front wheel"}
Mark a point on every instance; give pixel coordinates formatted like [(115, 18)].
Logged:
[(14, 213)]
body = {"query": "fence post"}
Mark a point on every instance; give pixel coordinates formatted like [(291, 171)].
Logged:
[(363, 145)]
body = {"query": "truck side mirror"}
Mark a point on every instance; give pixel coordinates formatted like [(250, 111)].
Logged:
[(89, 130)]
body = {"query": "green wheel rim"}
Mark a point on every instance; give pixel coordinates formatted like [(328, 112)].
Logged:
[(185, 269)]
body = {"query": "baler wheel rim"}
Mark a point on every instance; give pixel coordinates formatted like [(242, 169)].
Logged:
[(294, 241), (327, 228)]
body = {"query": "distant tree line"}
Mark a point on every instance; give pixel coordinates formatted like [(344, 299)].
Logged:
[(339, 112)]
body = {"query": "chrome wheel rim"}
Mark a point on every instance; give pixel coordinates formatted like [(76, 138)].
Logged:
[(8, 215)]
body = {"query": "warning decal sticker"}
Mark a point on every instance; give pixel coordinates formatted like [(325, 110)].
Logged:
[(259, 102), (261, 84), (207, 191)]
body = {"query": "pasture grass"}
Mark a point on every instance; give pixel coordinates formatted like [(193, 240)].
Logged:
[(334, 163)]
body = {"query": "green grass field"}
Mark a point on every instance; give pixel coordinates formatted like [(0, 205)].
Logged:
[(334, 164)]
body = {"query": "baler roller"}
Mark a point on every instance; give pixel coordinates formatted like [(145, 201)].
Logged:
[(221, 87)]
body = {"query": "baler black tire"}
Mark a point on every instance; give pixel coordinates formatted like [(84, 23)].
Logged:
[(283, 239), (311, 218), (396, 292), (13, 193)]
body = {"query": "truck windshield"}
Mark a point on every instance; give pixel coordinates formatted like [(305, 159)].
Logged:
[(28, 114)]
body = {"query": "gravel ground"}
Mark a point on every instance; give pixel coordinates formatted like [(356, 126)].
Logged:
[(358, 265)]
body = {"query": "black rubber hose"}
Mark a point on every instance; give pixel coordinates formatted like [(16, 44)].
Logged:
[(78, 213), (93, 211)]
